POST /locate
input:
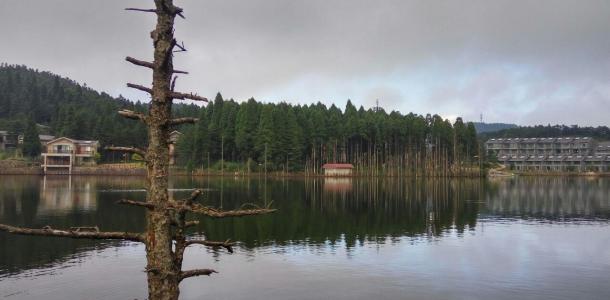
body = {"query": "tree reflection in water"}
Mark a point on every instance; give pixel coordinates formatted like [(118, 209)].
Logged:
[(322, 213)]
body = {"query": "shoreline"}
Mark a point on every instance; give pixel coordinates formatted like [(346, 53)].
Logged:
[(95, 171)]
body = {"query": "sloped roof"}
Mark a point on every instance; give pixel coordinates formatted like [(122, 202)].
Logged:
[(80, 142), (61, 138), (338, 166)]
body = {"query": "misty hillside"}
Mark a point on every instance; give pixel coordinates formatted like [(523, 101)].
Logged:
[(491, 127)]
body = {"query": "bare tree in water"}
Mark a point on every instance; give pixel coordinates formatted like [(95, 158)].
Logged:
[(166, 220)]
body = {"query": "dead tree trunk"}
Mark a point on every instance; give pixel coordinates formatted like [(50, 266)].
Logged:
[(165, 237), (163, 273)]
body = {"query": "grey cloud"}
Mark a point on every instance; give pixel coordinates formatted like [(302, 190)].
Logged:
[(489, 55)]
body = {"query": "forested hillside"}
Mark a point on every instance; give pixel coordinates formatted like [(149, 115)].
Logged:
[(254, 134), (68, 108), (294, 137), (491, 127)]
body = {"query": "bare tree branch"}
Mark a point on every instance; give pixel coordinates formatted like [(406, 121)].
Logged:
[(217, 213), (173, 85), (173, 10), (129, 114), (187, 224), (186, 120), (85, 228), (127, 149), (178, 11), (185, 96), (136, 203), (196, 272), (140, 87), (142, 9), (148, 64), (181, 47), (194, 195), (214, 244), (190, 223), (139, 62), (75, 233), (175, 95)]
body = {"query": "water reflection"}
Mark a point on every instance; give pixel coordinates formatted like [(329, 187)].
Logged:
[(61, 202), (338, 184), (550, 198), (60, 195), (318, 213)]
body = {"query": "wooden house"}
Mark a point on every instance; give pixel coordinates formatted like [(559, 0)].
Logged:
[(338, 169), (64, 153)]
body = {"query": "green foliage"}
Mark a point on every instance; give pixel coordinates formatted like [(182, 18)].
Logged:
[(287, 137), (31, 141), (137, 157), (263, 136), (245, 129), (70, 109)]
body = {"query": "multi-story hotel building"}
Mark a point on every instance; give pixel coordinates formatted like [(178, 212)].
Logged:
[(551, 154)]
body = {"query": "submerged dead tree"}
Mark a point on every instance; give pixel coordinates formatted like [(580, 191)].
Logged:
[(166, 220)]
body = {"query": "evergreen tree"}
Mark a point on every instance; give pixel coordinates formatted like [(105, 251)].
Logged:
[(31, 141), (265, 136), (297, 136), (215, 129), (472, 143), (245, 129), (460, 138), (200, 149)]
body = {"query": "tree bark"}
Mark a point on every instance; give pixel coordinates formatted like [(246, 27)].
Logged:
[(163, 274)]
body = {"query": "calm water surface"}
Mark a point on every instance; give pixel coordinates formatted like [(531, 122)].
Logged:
[(519, 238)]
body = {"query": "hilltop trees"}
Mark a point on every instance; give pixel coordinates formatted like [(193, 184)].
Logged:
[(69, 109), (294, 137), (245, 129), (301, 138)]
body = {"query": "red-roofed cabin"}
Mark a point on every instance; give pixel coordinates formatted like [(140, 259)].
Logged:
[(338, 169)]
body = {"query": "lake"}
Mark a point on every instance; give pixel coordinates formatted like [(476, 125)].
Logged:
[(333, 238)]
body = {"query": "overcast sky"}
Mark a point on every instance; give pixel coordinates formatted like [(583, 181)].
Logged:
[(525, 62)]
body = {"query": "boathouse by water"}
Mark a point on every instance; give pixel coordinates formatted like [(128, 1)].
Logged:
[(337, 169)]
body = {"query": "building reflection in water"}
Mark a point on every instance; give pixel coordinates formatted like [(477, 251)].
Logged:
[(63, 194), (552, 198), (337, 184), (62, 202)]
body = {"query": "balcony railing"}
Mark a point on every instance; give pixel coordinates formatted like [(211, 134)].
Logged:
[(62, 151), (57, 163)]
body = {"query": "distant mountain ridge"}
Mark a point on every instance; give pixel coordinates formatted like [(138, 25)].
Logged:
[(483, 127)]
